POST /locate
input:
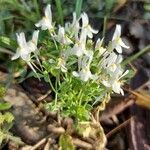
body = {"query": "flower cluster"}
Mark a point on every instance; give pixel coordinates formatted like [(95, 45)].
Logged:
[(74, 55)]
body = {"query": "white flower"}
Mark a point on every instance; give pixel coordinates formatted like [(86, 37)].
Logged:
[(73, 28), (32, 44), (79, 47), (61, 37), (114, 82), (84, 72), (46, 22), (89, 31), (23, 50), (108, 59), (111, 62), (99, 47), (117, 42)]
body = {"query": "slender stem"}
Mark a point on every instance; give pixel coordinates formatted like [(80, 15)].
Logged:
[(36, 67), (78, 7), (38, 60), (60, 11), (30, 65), (56, 95), (80, 96), (50, 82), (104, 25), (135, 56)]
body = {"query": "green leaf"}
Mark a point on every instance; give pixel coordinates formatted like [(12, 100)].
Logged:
[(5, 106), (65, 142), (7, 42), (8, 117), (54, 72), (2, 91), (82, 113)]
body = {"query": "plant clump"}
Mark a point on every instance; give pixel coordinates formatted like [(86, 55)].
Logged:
[(80, 72)]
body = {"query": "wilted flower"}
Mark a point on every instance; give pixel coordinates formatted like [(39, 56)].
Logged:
[(117, 42), (46, 22)]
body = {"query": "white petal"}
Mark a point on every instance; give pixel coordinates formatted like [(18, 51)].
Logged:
[(85, 19), (125, 73), (89, 55), (61, 31), (31, 46), (25, 56), (83, 36), (85, 75), (94, 77), (117, 32), (116, 87), (93, 30), (35, 36), (118, 49), (48, 13), (121, 91), (39, 24), (76, 74), (99, 43), (90, 35), (42, 24), (106, 83), (102, 50), (74, 18), (63, 68), (119, 59), (123, 44), (21, 40), (17, 55)]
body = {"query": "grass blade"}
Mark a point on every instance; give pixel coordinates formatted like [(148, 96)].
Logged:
[(78, 7), (60, 11), (135, 56)]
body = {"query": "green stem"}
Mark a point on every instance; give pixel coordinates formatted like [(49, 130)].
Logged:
[(50, 82), (60, 11), (56, 90), (78, 7), (80, 96), (104, 25), (135, 56)]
